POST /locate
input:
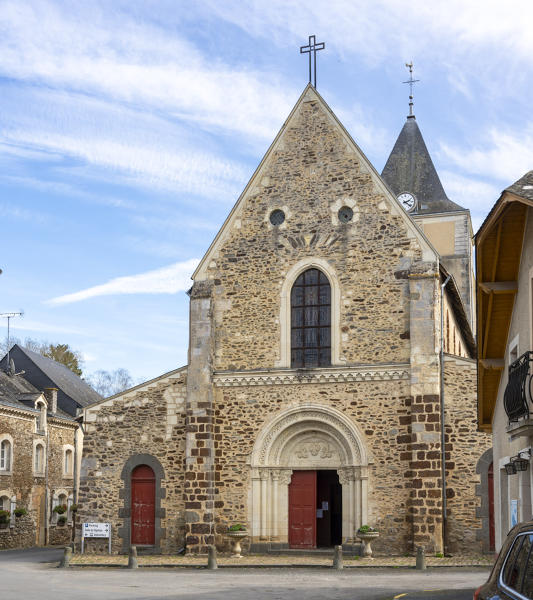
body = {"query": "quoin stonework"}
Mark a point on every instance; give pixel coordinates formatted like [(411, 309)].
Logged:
[(311, 402)]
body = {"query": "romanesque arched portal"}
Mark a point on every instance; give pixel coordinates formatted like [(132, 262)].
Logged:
[(306, 437)]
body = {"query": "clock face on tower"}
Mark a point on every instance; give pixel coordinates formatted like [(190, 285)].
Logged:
[(407, 200)]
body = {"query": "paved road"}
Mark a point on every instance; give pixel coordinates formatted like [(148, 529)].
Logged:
[(26, 574)]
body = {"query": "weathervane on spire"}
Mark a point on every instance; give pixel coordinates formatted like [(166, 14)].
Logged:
[(411, 82), (312, 49)]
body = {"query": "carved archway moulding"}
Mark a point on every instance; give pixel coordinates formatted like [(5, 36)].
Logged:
[(336, 433)]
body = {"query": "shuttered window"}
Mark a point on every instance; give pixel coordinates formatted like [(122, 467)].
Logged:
[(311, 320)]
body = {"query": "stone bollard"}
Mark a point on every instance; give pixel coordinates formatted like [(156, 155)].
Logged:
[(212, 557), (337, 558), (65, 560), (132, 558), (420, 559)]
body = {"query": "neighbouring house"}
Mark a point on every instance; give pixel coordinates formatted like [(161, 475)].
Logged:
[(504, 274), (43, 372), (311, 402), (40, 452)]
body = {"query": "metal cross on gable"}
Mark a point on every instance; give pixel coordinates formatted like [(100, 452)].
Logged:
[(411, 82), (312, 49)]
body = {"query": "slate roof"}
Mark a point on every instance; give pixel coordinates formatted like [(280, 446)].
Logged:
[(523, 187), (44, 372), (409, 168), (15, 391)]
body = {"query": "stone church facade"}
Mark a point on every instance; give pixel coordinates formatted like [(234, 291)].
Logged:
[(311, 401)]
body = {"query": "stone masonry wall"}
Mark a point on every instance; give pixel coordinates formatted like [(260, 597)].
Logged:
[(149, 420), (380, 409), (310, 175), (464, 447)]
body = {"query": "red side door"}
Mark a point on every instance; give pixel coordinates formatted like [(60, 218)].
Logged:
[(302, 510), (143, 506)]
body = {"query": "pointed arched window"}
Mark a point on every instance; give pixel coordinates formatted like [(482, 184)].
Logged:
[(311, 320)]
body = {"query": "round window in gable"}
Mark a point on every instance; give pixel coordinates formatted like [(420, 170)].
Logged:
[(345, 214), (277, 217)]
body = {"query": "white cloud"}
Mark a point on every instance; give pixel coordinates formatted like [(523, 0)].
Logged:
[(503, 155), (100, 51), (460, 36), (137, 147), (478, 196), (167, 280)]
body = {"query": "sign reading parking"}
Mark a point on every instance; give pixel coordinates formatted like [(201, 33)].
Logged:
[(95, 530)]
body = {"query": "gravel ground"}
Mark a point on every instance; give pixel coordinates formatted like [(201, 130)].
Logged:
[(282, 561)]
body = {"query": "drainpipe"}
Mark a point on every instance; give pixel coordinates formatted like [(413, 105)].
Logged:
[(442, 416), (46, 490)]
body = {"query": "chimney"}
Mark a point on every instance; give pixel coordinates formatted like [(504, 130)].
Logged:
[(50, 394)]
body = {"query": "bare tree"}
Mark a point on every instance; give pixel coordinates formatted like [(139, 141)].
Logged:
[(109, 383)]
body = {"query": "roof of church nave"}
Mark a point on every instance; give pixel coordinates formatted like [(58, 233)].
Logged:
[(409, 168)]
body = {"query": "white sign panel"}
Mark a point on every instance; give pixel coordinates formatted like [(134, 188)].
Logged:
[(96, 530)]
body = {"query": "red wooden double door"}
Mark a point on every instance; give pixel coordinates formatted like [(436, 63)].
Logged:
[(143, 506), (315, 509)]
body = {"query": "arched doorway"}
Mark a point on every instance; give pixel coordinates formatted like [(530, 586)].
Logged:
[(143, 506), (309, 478)]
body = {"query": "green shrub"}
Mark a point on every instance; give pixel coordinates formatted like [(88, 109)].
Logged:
[(237, 527), (74, 507), (62, 520), (5, 516), (20, 511), (439, 555), (60, 509)]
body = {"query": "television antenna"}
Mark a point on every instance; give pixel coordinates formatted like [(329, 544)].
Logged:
[(9, 316)]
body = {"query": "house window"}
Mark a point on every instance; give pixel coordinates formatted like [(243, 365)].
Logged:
[(6, 448), (5, 503), (40, 421), (311, 320), (38, 459), (68, 462)]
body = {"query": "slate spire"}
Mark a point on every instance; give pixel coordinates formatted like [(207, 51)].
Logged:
[(409, 168)]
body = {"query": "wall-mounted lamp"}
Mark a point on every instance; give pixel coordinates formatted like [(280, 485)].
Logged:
[(522, 463), (510, 468)]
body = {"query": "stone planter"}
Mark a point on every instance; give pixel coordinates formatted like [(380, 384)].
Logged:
[(235, 539), (367, 538)]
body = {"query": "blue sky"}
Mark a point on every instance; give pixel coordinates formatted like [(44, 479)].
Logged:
[(128, 130)]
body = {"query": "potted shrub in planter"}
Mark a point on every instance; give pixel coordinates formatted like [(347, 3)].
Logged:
[(20, 511), (367, 534), (61, 520), (5, 517), (236, 533), (60, 509), (74, 508)]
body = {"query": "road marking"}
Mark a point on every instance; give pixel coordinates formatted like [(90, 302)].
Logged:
[(399, 596)]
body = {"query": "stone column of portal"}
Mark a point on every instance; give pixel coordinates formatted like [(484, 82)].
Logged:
[(264, 474), (425, 502), (346, 479), (358, 501), (199, 492), (275, 526)]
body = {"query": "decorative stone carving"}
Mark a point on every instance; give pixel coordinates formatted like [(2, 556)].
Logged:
[(320, 449), (305, 419), (323, 375), (285, 477)]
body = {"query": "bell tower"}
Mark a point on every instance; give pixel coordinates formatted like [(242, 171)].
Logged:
[(412, 177)]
